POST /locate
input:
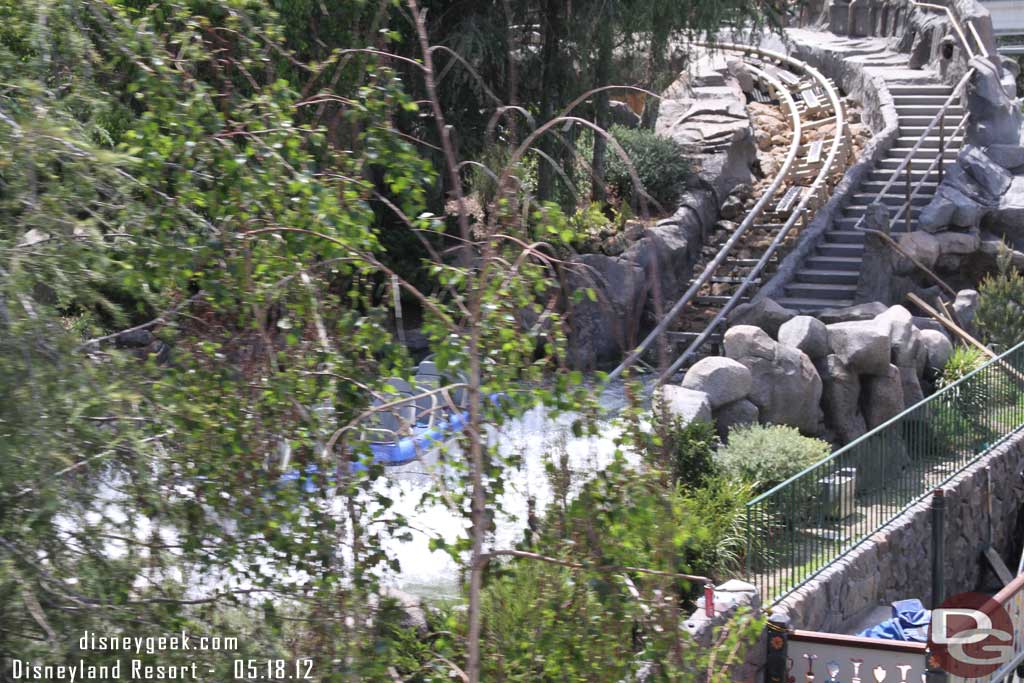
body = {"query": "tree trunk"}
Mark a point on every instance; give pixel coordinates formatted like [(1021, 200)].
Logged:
[(551, 91), (602, 78)]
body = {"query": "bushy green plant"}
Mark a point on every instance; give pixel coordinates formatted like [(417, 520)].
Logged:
[(686, 451), (1000, 315), (659, 162), (719, 507), (971, 396), (764, 456)]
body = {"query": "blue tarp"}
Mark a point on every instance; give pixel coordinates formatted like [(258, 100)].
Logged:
[(909, 622)]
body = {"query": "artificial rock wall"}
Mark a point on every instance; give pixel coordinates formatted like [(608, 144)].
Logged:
[(895, 563)]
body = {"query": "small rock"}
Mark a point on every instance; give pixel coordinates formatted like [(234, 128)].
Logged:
[(724, 380), (807, 334), (732, 207)]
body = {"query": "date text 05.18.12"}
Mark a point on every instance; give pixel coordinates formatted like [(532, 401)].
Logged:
[(274, 669)]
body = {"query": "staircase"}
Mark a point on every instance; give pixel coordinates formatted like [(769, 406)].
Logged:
[(828, 277)]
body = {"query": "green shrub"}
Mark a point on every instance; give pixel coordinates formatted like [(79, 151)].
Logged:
[(685, 451), (720, 508), (971, 396), (659, 162), (765, 456), (1000, 315)]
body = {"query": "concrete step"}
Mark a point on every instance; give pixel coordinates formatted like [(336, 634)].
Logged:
[(858, 210), (839, 249), (922, 120), (851, 263), (845, 236), (849, 223), (907, 142), (819, 276), (934, 101), (917, 130), (891, 199), (876, 186), (927, 150), (897, 90), (806, 305), (916, 176), (903, 109), (813, 290)]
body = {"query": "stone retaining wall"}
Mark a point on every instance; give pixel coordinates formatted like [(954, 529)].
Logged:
[(895, 563)]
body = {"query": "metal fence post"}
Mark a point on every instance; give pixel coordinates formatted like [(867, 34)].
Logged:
[(938, 546), (777, 660)]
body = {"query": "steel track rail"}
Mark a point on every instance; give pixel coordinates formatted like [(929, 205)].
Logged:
[(808, 196), (726, 249), (753, 215)]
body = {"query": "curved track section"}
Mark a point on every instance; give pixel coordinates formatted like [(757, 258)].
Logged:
[(811, 100)]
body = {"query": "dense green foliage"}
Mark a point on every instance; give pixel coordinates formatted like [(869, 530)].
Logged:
[(204, 208), (765, 456), (1000, 315), (686, 451), (660, 163)]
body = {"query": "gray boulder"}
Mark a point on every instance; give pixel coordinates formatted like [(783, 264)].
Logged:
[(1007, 218), (862, 346), (968, 210), (994, 117), (601, 330), (744, 341), (807, 334), (905, 339), (685, 404), (882, 396), (866, 311), (763, 313), (937, 214), (786, 388), (958, 243), (1008, 156), (911, 384), (992, 177), (938, 348), (724, 380), (840, 394), (965, 306), (735, 414), (921, 246)]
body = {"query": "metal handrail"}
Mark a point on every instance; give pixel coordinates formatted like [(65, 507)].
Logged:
[(797, 213), (795, 506), (940, 116), (724, 252)]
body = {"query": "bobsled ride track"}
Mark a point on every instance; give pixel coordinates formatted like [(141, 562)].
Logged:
[(751, 253)]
